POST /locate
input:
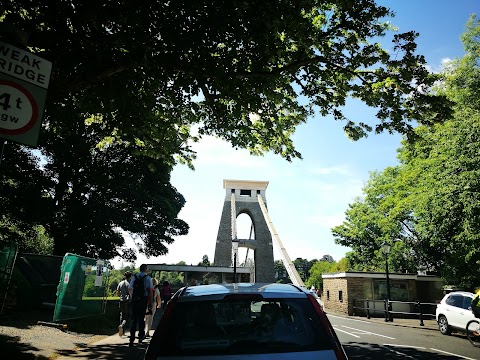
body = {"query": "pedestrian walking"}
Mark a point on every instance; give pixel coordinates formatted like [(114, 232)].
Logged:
[(124, 303), (166, 294), (141, 294), (156, 305)]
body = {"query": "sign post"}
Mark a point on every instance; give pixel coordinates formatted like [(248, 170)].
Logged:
[(24, 80)]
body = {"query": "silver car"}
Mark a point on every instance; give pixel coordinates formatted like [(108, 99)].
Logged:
[(244, 321)]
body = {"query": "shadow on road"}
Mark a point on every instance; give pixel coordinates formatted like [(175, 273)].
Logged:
[(374, 351), (11, 348), (107, 351), (26, 319)]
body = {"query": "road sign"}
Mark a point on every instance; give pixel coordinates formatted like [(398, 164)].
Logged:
[(18, 108), (24, 80)]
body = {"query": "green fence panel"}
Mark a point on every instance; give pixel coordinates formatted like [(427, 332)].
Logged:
[(8, 254), (81, 291)]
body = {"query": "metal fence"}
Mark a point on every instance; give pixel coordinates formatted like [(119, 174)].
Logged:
[(390, 308)]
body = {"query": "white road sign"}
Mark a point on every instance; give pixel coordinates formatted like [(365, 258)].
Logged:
[(24, 65), (24, 80), (18, 109)]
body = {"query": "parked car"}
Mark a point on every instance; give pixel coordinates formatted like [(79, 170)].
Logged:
[(454, 312), (320, 301), (244, 321)]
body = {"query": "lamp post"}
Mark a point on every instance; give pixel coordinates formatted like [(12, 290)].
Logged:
[(385, 250), (235, 242)]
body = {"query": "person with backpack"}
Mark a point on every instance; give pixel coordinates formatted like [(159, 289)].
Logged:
[(124, 304), (141, 294)]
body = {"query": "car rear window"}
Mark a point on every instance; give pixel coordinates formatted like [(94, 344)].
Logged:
[(455, 300), (467, 302), (242, 326)]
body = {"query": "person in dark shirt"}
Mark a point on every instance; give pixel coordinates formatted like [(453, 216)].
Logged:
[(139, 306)]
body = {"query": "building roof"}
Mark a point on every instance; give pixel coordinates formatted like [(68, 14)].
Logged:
[(245, 184), (193, 268)]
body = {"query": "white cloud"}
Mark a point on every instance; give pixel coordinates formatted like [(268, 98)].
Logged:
[(327, 221), (339, 169), (215, 151), (337, 192), (436, 69), (446, 61)]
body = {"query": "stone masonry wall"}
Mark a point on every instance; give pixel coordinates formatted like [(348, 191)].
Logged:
[(362, 288), (353, 288), (264, 262), (331, 295), (412, 290), (358, 288), (223, 247)]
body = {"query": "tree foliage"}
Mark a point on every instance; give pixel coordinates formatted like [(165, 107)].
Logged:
[(147, 64), (205, 261), (281, 274), (134, 83), (380, 216), (22, 195), (324, 266), (328, 258), (319, 268), (175, 278), (86, 196), (303, 267), (310, 271), (428, 207)]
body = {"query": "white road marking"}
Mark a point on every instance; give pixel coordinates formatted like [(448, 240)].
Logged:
[(368, 332), (400, 353), (392, 345), (406, 346), (340, 317), (449, 353), (423, 348), (346, 332)]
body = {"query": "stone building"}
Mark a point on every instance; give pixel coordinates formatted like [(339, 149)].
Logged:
[(340, 290)]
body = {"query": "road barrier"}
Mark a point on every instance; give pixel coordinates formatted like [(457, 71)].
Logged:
[(416, 308)]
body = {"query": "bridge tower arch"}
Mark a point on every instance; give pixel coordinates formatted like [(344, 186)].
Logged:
[(241, 197)]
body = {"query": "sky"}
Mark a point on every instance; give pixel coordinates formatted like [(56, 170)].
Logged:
[(307, 197)]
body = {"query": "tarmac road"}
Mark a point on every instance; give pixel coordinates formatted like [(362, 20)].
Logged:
[(361, 347), (376, 339), (366, 339)]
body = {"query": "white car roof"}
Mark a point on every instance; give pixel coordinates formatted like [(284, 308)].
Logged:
[(465, 293)]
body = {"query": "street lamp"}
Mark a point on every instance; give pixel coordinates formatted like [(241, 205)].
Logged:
[(385, 250), (235, 242)]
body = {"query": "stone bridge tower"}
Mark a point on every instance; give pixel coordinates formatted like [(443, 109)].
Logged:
[(242, 194)]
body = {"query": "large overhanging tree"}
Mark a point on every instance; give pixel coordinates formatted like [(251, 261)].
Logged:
[(86, 195), (384, 214), (246, 71), (429, 205), (446, 167)]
